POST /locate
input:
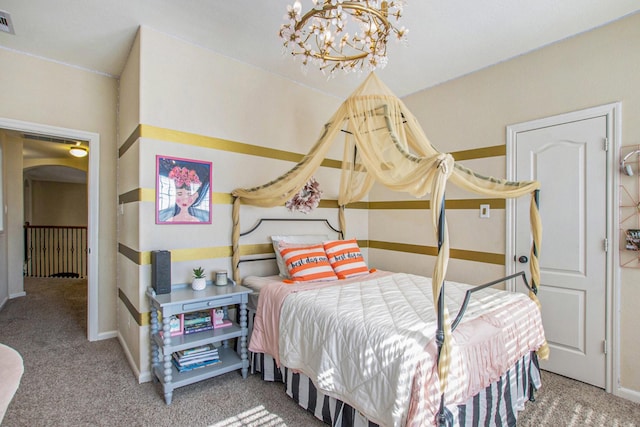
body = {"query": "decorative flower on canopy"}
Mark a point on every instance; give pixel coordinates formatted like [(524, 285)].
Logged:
[(307, 198)]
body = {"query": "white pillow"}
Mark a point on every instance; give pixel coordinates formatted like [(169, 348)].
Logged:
[(294, 238)]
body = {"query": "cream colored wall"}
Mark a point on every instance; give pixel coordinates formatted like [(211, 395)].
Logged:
[(186, 88), (595, 68), (4, 249), (14, 217), (129, 101), (53, 94), (59, 203)]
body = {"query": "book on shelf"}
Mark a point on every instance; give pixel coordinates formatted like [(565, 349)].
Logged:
[(207, 351), (192, 360), (197, 322), (195, 350), (198, 328), (186, 368), (196, 316)]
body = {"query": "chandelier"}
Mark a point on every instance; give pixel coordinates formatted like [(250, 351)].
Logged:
[(342, 35)]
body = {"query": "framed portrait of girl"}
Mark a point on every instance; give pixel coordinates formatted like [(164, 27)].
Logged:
[(183, 191)]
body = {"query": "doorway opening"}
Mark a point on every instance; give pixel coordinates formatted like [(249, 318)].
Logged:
[(93, 142)]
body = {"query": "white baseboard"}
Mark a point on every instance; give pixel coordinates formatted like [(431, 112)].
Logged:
[(628, 394), (128, 356), (107, 335), (143, 377), (17, 295), (3, 303)]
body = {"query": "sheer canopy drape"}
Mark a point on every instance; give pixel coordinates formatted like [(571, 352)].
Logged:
[(384, 143)]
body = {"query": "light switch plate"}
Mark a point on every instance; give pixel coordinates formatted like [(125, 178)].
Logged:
[(485, 211)]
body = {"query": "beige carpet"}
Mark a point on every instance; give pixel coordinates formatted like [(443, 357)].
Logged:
[(69, 381)]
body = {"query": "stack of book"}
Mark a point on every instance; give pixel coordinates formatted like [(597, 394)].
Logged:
[(198, 357), (197, 321)]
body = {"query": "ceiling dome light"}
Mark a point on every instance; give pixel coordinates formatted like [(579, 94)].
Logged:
[(78, 151)]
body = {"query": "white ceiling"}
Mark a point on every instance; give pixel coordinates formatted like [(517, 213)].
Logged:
[(447, 39), (36, 148)]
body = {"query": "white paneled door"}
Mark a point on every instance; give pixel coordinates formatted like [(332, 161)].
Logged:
[(570, 161)]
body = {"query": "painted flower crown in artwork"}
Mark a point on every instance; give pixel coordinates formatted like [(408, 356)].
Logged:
[(184, 177), (307, 199)]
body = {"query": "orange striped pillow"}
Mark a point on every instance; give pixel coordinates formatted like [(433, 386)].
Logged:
[(345, 258), (307, 263)]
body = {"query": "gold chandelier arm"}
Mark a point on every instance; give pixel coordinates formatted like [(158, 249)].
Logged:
[(365, 10), (322, 36)]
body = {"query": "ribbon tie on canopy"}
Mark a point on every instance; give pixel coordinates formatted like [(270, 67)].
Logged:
[(444, 162)]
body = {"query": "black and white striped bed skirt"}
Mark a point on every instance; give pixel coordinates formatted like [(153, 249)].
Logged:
[(497, 405)]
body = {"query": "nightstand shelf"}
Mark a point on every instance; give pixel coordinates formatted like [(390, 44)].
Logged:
[(183, 342), (183, 299), (229, 361)]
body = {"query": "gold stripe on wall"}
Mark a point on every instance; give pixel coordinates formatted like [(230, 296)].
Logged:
[(363, 243), (257, 249), (132, 254), (449, 204), (485, 257), (130, 196), (480, 153), (190, 254), (149, 195), (163, 134), (135, 135), (180, 255), (403, 247), (222, 199), (141, 319), (357, 205), (474, 203), (401, 204), (154, 132)]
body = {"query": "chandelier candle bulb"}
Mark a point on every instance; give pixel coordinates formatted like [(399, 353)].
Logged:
[(342, 35)]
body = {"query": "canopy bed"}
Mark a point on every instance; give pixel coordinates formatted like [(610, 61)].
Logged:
[(383, 142)]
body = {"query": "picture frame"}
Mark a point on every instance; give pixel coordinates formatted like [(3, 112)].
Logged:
[(183, 190)]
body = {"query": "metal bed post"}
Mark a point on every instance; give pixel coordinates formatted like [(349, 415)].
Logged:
[(444, 415), (534, 286), (536, 198)]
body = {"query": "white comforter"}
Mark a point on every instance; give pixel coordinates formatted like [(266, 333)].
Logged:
[(371, 344)]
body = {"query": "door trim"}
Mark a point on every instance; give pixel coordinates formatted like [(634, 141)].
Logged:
[(613, 114), (93, 201)]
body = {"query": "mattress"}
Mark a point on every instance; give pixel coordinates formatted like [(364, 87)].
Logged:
[(370, 342), (256, 283)]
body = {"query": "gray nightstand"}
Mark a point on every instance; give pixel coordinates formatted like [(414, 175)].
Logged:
[(183, 299)]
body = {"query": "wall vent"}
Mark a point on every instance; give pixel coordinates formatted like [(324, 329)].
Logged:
[(5, 22), (46, 138)]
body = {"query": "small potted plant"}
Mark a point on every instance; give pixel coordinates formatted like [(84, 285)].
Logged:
[(199, 280)]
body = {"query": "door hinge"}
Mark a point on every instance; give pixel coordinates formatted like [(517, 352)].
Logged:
[(605, 244), (606, 144), (604, 346)]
